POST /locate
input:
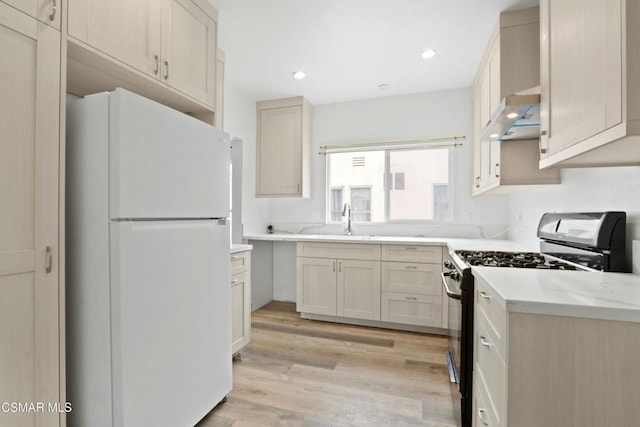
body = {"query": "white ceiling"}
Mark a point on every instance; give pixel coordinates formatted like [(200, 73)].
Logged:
[(349, 47)]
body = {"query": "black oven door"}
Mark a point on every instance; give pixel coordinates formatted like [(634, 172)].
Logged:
[(451, 287)]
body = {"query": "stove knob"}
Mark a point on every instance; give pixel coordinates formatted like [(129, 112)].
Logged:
[(455, 275), (448, 264)]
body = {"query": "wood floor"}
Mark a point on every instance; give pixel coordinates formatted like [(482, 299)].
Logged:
[(298, 372)]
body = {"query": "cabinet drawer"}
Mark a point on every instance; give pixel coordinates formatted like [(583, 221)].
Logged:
[(484, 414), (490, 364), (411, 309), (240, 261), (238, 318), (412, 253), (339, 250), (412, 278), (495, 316)]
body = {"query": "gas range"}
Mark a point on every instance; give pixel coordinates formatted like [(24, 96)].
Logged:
[(514, 260), (568, 241)]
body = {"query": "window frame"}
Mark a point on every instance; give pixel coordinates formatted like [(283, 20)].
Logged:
[(450, 183)]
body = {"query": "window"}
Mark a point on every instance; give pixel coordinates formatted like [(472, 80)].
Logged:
[(440, 201), (390, 185), (336, 204), (361, 204)]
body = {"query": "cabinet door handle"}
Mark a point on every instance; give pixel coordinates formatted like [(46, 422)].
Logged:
[(496, 170), (166, 70), (298, 188), (157, 59), (334, 266), (340, 267), (488, 123), (481, 412), (484, 295), (54, 9), (48, 259), (484, 341)]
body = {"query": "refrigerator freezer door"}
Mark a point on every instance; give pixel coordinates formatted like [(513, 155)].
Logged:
[(163, 163), (171, 333)]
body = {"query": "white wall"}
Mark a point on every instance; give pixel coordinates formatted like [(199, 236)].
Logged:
[(425, 115), (582, 190)]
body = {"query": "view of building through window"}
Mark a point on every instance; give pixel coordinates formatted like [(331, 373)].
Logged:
[(390, 185)]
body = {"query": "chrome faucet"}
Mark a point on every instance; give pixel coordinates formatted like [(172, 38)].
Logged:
[(346, 219)]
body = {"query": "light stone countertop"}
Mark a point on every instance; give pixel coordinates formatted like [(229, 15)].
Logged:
[(596, 295), (453, 243), (235, 248)]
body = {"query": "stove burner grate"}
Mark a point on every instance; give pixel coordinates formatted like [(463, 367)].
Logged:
[(513, 260)]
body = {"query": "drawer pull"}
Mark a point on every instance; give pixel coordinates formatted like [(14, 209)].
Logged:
[(411, 267), (48, 259), (484, 341), (235, 281), (411, 298), (481, 413), (411, 248), (484, 295), (234, 257)]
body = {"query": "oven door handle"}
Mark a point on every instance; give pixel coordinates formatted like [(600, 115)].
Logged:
[(446, 286)]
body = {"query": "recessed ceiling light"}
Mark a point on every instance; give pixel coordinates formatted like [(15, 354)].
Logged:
[(384, 86), (299, 75), (428, 54), (512, 115)]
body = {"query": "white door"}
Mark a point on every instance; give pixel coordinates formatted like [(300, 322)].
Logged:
[(165, 164), (170, 310)]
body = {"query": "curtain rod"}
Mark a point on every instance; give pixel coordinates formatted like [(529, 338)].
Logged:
[(431, 142)]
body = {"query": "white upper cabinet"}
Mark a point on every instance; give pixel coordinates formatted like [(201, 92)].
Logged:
[(189, 50), (47, 11), (136, 44), (510, 64), (590, 81), (283, 161), (128, 31)]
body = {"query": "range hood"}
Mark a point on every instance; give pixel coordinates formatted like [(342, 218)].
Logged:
[(517, 117)]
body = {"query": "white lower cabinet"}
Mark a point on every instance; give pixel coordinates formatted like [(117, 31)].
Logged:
[(240, 300), (534, 370), (411, 309), (317, 286), (389, 283), (411, 286), (339, 287)]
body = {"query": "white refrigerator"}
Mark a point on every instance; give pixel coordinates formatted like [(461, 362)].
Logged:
[(148, 293)]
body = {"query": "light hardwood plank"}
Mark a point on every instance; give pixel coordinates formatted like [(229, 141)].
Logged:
[(299, 372)]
